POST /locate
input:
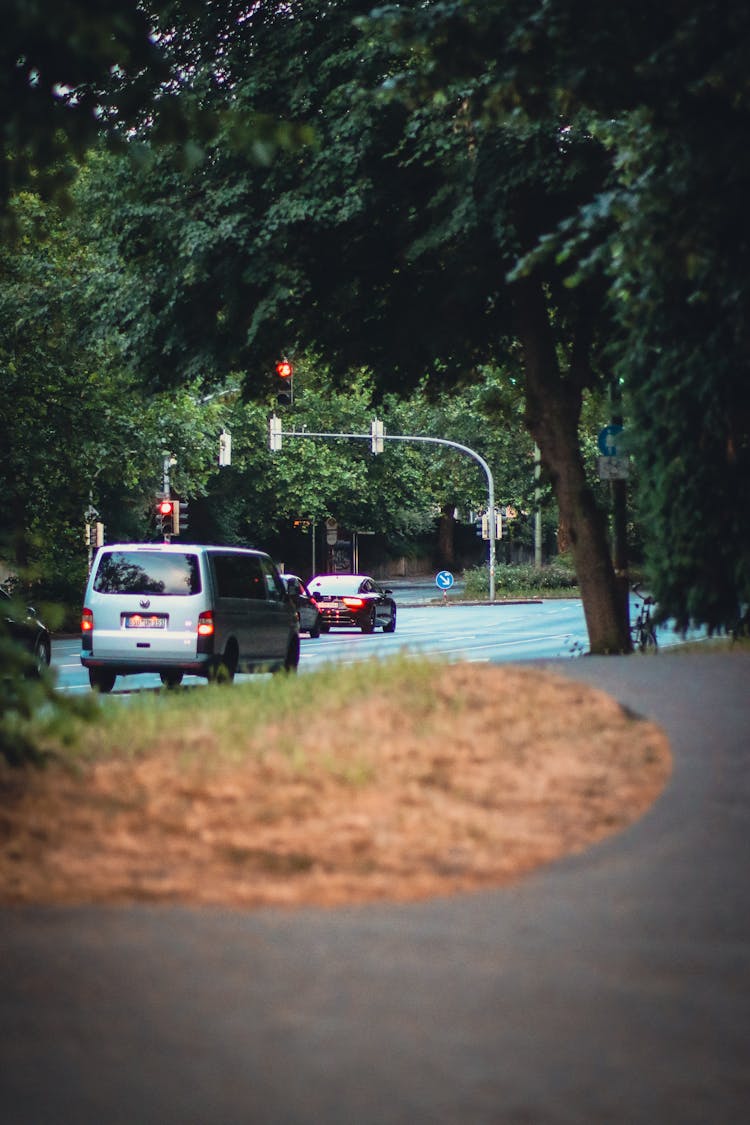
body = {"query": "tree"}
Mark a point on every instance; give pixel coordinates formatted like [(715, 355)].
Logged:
[(674, 238), (58, 63), (485, 415), (663, 88), (76, 427)]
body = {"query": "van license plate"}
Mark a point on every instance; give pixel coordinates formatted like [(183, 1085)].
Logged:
[(143, 621)]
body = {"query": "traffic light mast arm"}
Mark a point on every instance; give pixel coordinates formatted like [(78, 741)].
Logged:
[(279, 433), (490, 486)]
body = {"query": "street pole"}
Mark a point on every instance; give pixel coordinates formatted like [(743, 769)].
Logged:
[(169, 460), (538, 511)]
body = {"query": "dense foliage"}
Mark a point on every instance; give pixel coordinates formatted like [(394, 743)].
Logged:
[(80, 428), (522, 581), (664, 89)]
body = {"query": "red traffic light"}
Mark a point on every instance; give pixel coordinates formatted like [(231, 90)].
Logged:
[(284, 369), (165, 507)]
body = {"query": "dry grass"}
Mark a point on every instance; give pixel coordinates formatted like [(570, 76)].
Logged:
[(370, 783)]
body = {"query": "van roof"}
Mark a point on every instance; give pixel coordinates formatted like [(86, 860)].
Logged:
[(162, 548)]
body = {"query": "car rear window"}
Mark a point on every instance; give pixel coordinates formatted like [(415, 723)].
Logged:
[(144, 572), (338, 584)]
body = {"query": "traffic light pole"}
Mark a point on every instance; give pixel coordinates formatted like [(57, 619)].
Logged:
[(277, 434)]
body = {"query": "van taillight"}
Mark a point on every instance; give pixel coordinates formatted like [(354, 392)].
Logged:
[(87, 621), (206, 624)]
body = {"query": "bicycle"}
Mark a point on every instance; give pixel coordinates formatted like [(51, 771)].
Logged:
[(643, 630)]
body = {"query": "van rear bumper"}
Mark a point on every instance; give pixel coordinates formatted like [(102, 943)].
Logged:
[(200, 666)]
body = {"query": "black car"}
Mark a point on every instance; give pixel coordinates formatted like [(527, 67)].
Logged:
[(353, 599), (305, 604), (28, 631)]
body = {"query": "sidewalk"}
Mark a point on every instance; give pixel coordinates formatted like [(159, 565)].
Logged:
[(612, 987)]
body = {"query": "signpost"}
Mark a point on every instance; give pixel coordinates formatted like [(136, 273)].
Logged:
[(444, 581), (607, 440), (612, 464), (614, 468)]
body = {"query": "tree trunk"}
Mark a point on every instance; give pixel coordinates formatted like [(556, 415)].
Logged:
[(446, 537), (553, 407)]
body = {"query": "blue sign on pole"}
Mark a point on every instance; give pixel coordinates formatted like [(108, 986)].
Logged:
[(607, 440), (444, 580)]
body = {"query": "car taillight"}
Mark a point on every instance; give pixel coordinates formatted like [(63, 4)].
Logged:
[(206, 624), (313, 603), (87, 621), (353, 603)]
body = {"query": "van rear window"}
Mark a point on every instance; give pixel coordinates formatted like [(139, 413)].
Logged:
[(147, 572)]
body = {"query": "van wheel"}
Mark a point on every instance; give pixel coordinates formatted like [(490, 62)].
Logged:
[(225, 668), (171, 679), (292, 654), (101, 680)]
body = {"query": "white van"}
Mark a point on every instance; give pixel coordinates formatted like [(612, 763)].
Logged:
[(174, 609)]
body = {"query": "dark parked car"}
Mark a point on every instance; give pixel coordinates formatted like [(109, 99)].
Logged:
[(304, 603), (28, 631), (353, 599)]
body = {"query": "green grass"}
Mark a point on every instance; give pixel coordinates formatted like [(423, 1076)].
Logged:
[(713, 644), (524, 581), (227, 719)]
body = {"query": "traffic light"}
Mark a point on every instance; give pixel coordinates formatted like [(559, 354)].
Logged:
[(284, 383), (179, 517), (94, 534), (165, 517)]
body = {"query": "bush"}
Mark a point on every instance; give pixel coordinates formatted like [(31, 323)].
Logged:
[(520, 581), (30, 705)]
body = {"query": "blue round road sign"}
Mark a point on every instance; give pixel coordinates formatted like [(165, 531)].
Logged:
[(607, 440), (444, 580)]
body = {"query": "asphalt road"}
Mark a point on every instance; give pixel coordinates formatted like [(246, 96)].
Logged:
[(612, 987), (457, 632), (550, 629)]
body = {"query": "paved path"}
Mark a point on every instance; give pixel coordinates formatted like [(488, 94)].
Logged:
[(613, 987)]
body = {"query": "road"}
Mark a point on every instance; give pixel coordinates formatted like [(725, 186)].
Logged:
[(612, 987), (549, 630)]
